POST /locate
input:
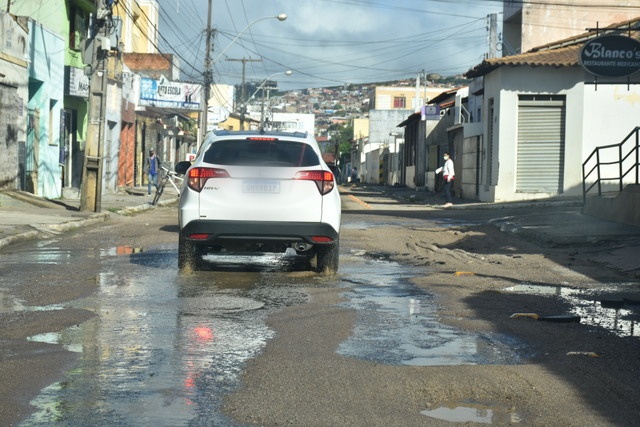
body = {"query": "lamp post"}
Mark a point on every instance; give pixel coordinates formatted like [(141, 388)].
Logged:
[(208, 74), (281, 17), (286, 73)]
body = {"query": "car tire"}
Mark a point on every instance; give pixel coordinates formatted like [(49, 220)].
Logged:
[(327, 258), (186, 253)]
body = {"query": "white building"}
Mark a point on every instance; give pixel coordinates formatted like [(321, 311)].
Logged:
[(220, 104), (543, 116), (293, 122)]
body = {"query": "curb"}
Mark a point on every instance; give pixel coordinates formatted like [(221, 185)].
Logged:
[(506, 225), (53, 229), (21, 237)]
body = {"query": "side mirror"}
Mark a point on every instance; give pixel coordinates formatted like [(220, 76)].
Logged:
[(181, 167)]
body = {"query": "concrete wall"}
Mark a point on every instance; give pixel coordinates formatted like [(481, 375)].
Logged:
[(46, 80), (622, 207), (139, 36), (534, 23), (382, 123), (112, 138), (13, 100)]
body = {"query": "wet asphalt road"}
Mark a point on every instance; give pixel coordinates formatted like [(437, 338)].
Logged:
[(165, 348)]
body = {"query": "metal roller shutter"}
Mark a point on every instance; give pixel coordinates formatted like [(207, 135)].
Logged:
[(541, 131)]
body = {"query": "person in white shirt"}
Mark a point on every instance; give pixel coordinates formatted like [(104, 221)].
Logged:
[(448, 174)]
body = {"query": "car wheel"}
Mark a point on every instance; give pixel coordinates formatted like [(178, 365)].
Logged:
[(327, 258), (186, 253)]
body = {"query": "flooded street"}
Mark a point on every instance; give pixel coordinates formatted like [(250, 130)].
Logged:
[(397, 337), (164, 348)]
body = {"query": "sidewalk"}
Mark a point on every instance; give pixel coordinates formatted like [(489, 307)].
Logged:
[(551, 222), (24, 216)]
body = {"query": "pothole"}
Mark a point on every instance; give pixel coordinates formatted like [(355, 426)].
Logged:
[(475, 413), (397, 323), (617, 312)]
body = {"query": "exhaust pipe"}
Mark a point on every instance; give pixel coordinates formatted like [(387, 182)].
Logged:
[(302, 246)]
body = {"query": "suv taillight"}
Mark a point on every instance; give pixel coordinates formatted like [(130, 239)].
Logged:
[(323, 179), (198, 177)]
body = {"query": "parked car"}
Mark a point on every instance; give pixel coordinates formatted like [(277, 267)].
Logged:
[(255, 192)]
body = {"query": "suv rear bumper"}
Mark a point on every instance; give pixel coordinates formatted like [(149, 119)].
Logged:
[(267, 231)]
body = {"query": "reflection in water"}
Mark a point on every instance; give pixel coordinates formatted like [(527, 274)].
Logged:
[(398, 324), (617, 315), (163, 349), (10, 304), (121, 250), (477, 413)]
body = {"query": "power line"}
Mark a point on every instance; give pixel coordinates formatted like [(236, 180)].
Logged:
[(130, 15)]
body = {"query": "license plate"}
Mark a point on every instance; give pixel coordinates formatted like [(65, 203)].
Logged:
[(261, 187)]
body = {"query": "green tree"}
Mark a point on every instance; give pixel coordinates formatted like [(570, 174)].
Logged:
[(343, 135)]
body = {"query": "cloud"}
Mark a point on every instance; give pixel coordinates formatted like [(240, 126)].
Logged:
[(331, 42)]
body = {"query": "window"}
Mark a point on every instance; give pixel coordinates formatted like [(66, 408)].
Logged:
[(261, 153), (399, 102), (78, 30), (53, 138)]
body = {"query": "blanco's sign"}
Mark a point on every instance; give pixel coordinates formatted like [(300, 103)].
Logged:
[(611, 56), (168, 94)]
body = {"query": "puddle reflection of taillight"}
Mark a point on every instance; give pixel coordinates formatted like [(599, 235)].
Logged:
[(203, 333), (323, 179), (197, 177), (200, 337)]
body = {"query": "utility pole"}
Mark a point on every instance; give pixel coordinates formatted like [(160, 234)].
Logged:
[(208, 77), (493, 35), (243, 89), (91, 194)]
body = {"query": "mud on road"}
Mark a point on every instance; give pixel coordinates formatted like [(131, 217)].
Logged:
[(570, 374)]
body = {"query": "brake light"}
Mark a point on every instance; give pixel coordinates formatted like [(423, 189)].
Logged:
[(198, 236), (323, 179), (199, 176), (261, 138)]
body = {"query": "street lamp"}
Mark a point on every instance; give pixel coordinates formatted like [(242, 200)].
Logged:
[(286, 73), (281, 17), (208, 63)]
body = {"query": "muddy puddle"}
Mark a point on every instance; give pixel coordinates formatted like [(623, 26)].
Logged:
[(165, 348), (398, 324), (472, 412), (604, 307)]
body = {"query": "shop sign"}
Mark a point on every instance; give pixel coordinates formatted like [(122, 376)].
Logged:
[(611, 56), (168, 94)]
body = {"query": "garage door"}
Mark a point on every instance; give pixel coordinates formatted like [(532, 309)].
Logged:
[(541, 133)]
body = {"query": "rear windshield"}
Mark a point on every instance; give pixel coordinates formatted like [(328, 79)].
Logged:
[(243, 152)]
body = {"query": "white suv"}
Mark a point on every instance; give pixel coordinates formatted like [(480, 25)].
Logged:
[(259, 192)]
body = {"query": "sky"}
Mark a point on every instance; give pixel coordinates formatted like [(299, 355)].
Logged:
[(326, 43)]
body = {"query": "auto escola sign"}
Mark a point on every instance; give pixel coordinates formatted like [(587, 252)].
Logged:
[(611, 56)]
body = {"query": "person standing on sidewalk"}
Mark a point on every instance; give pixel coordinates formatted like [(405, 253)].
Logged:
[(153, 166), (448, 174)]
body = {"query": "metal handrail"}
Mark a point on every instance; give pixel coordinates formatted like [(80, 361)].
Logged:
[(621, 157)]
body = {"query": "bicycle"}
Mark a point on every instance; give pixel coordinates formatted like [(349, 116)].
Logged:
[(168, 176)]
